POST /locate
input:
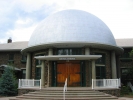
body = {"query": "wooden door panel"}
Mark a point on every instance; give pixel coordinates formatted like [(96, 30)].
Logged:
[(61, 74), (68, 70), (74, 78), (61, 78), (61, 68)]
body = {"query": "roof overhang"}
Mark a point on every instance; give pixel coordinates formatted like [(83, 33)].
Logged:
[(69, 57), (67, 44)]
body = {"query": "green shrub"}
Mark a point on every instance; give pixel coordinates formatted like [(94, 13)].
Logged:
[(8, 83), (125, 90)]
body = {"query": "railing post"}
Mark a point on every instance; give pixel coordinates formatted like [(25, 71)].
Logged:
[(19, 84), (92, 84), (33, 82), (119, 82), (40, 83), (104, 82)]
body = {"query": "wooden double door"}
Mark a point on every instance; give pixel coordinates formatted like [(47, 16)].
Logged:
[(69, 70)]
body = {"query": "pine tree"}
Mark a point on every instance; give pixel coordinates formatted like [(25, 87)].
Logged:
[(8, 84)]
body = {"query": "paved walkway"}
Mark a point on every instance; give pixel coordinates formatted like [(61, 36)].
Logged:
[(125, 98), (121, 98)]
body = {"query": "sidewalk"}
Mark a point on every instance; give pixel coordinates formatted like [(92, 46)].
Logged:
[(125, 98), (7, 98)]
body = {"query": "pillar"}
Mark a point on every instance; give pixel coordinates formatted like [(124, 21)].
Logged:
[(93, 70), (43, 74), (113, 65), (50, 51), (87, 51), (28, 66)]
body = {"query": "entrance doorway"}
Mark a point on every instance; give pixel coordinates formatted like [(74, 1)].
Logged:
[(71, 71)]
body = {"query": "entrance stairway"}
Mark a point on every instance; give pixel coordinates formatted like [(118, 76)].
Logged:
[(75, 93)]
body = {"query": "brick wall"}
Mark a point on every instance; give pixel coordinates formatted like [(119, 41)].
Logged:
[(4, 57)]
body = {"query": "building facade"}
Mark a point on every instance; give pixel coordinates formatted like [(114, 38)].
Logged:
[(70, 44), (10, 54)]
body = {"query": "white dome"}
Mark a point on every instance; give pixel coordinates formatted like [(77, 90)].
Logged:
[(72, 26)]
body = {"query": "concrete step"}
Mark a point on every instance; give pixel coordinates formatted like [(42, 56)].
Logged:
[(71, 94), (67, 93), (67, 98), (60, 95)]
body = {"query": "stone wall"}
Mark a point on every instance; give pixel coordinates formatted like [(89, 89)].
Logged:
[(33, 66), (114, 92), (88, 73), (25, 91)]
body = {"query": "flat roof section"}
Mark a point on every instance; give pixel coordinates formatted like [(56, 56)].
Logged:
[(69, 57)]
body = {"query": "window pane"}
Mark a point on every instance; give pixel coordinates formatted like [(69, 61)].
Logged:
[(100, 72), (11, 56), (23, 73)]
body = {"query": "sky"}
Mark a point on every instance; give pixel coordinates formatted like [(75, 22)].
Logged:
[(19, 18)]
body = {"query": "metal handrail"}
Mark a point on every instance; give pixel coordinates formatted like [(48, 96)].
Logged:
[(130, 85), (65, 88)]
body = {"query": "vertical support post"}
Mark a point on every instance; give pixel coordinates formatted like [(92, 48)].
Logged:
[(93, 70), (104, 82), (28, 82), (119, 82), (40, 83), (33, 82), (43, 74), (22, 82), (28, 66), (113, 64), (50, 52), (87, 51), (19, 84), (92, 84), (48, 73)]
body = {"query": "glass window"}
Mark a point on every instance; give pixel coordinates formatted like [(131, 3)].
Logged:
[(23, 57), (70, 51), (38, 62), (23, 73), (38, 73), (11, 56), (100, 60), (100, 72), (124, 70), (23, 60), (126, 53)]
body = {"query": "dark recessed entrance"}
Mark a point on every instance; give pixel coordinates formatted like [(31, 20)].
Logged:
[(74, 71)]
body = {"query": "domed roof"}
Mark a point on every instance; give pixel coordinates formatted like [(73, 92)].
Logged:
[(72, 26)]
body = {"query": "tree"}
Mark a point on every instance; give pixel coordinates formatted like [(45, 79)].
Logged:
[(8, 84)]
